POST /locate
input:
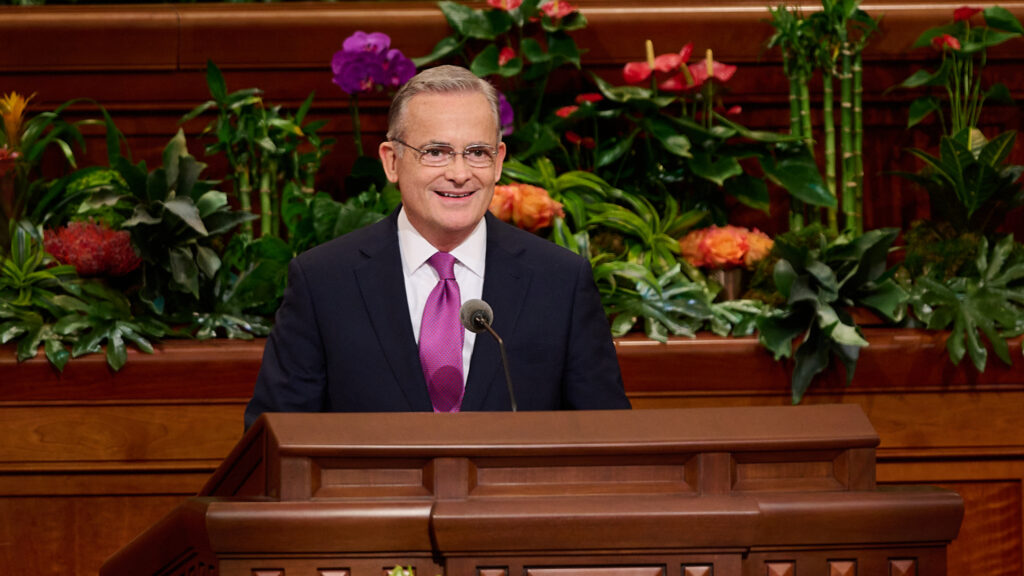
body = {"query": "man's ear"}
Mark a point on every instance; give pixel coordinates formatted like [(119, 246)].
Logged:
[(499, 161), (389, 159)]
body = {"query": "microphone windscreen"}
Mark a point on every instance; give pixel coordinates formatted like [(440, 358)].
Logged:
[(475, 315)]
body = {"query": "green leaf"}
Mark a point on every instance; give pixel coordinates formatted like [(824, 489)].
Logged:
[(183, 208), (716, 170), (921, 109), (801, 178), (56, 353), (446, 47), (1002, 19), (215, 81), (184, 270)]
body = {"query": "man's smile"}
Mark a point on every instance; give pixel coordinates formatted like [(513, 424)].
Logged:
[(455, 194)]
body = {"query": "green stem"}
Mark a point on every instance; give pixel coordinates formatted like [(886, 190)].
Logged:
[(243, 191), (846, 122), (858, 138), (357, 132), (829, 125)]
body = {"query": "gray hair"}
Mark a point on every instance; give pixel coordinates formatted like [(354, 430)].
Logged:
[(440, 80)]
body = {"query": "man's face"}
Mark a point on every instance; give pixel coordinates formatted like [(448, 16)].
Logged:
[(444, 203)]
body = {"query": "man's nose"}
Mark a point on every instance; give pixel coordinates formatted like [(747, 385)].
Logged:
[(457, 170)]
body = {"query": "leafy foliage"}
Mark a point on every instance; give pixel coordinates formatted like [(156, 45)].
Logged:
[(970, 185), (985, 303), (819, 279)]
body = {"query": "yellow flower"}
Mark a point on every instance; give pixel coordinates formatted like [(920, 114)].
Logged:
[(12, 108)]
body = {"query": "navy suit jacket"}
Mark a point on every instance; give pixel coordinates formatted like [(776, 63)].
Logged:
[(343, 340)]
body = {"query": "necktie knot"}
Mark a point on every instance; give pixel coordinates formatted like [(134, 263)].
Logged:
[(444, 264)]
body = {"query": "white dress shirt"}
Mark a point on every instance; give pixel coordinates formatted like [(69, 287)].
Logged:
[(420, 277)]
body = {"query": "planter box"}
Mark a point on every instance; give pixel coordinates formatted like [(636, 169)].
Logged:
[(74, 448)]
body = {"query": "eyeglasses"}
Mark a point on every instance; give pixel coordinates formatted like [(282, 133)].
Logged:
[(438, 155)]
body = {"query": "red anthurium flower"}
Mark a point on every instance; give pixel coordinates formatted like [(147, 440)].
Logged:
[(557, 9), (941, 42), (672, 62), (636, 72), (505, 4), (505, 55), (964, 13), (591, 97), (733, 110), (566, 111), (679, 83), (719, 71), (588, 143), (573, 137)]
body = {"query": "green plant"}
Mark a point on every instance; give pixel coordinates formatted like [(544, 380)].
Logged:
[(969, 183), (985, 301), (22, 144), (521, 42), (31, 294), (175, 217), (819, 279), (831, 40), (266, 148)]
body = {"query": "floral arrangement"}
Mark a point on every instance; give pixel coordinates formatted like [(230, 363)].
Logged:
[(528, 207), (639, 173), (725, 247)]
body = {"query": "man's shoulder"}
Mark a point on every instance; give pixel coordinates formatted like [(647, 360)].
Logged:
[(517, 240), (350, 248)]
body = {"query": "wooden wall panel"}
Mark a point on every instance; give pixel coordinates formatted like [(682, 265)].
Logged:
[(73, 535)]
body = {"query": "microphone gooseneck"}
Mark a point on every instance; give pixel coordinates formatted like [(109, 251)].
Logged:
[(476, 316)]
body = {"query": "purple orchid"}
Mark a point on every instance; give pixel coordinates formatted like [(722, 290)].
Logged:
[(376, 42), (506, 115), (366, 63)]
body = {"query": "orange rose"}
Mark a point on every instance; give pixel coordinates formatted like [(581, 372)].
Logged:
[(535, 208), (723, 246), (528, 207), (501, 202), (759, 247), (689, 245)]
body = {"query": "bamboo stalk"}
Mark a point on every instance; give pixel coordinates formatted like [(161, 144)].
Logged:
[(858, 137), (829, 126), (846, 125)]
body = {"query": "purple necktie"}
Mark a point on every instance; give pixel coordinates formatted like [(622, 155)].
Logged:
[(441, 336)]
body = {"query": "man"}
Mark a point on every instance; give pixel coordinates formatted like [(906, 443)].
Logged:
[(357, 329)]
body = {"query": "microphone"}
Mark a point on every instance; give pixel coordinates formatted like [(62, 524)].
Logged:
[(476, 316)]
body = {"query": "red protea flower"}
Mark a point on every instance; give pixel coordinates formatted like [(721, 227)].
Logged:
[(93, 249)]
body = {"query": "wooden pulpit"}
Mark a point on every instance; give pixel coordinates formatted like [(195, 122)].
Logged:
[(704, 492)]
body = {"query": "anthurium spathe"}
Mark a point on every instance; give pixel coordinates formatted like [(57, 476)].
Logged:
[(964, 13), (636, 72), (557, 9), (506, 5), (709, 68)]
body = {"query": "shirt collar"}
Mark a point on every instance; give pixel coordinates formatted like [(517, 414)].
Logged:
[(415, 249)]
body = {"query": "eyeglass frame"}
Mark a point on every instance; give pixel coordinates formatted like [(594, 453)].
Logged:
[(492, 152)]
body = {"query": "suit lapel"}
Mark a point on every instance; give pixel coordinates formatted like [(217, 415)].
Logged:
[(506, 280), (383, 291)]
